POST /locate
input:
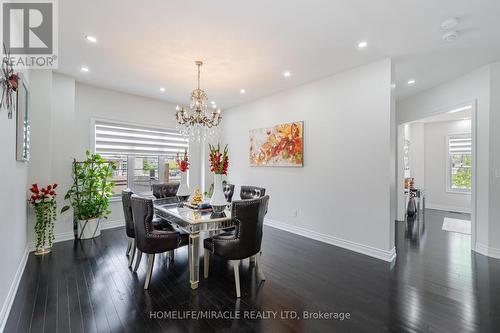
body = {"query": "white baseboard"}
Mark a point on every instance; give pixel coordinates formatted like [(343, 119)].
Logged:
[(487, 251), (346, 244), (448, 208), (69, 235), (112, 224), (9, 300)]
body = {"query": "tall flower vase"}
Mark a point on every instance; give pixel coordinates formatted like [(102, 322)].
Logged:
[(44, 227), (218, 200), (183, 192)]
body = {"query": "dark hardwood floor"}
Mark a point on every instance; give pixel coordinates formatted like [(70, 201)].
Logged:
[(436, 284)]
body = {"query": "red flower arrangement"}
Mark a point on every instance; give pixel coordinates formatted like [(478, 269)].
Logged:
[(44, 201), (183, 163), (219, 162), (44, 194)]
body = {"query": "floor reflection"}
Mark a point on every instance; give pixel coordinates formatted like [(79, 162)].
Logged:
[(436, 284), (435, 269)]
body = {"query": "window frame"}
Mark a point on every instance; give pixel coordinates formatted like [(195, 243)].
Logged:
[(94, 120), (448, 171)]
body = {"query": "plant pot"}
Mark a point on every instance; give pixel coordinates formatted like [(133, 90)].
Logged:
[(43, 251), (218, 200), (90, 228), (44, 226), (183, 192)]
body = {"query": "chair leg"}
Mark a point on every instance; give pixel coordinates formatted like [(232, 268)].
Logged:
[(149, 270), (258, 267), (236, 266), (131, 258), (129, 246), (137, 260), (251, 259), (206, 263)]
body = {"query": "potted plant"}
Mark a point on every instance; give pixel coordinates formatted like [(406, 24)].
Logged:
[(183, 192), (90, 194), (219, 162), (43, 201)]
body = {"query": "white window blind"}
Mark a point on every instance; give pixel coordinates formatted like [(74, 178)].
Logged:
[(460, 145), (119, 139)]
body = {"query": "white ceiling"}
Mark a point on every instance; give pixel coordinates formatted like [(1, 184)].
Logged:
[(143, 46)]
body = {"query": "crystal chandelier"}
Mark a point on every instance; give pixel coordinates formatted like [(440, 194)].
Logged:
[(201, 122)]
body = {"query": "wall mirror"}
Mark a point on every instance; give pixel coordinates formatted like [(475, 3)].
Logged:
[(22, 117)]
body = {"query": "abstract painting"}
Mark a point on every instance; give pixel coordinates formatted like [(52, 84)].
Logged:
[(280, 145)]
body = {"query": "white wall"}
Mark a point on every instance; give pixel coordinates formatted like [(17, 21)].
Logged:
[(67, 112), (343, 191), (92, 102), (494, 167), (477, 87), (13, 208), (416, 154), (436, 166), (401, 173)]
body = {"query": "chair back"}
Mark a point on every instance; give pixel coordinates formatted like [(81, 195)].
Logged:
[(165, 190), (228, 191), (127, 212), (142, 210), (250, 216), (252, 192), (149, 240)]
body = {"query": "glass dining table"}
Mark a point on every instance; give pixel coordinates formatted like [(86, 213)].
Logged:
[(193, 222)]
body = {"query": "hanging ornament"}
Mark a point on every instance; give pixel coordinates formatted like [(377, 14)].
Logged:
[(8, 83)]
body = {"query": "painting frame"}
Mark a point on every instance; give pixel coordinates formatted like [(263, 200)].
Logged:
[(280, 145)]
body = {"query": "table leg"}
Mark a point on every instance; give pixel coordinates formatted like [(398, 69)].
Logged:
[(194, 259)]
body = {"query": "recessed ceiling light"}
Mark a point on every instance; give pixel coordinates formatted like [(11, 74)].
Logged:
[(162, 89), (91, 39), (411, 82), (449, 23), (362, 45), (84, 69), (450, 36), (242, 91), (463, 108), (287, 74), (213, 102)]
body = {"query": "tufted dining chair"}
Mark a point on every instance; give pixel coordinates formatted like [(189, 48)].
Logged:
[(244, 242), (228, 191), (251, 192), (149, 240), (129, 224), (165, 190)]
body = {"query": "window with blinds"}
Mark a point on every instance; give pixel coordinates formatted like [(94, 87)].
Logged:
[(119, 139), (142, 155), (460, 163)]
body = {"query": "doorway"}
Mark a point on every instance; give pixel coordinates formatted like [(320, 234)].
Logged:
[(436, 170)]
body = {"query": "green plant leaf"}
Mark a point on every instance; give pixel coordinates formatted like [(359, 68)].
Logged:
[(65, 208)]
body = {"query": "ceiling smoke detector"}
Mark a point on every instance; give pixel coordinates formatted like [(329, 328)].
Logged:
[(449, 23), (450, 36)]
